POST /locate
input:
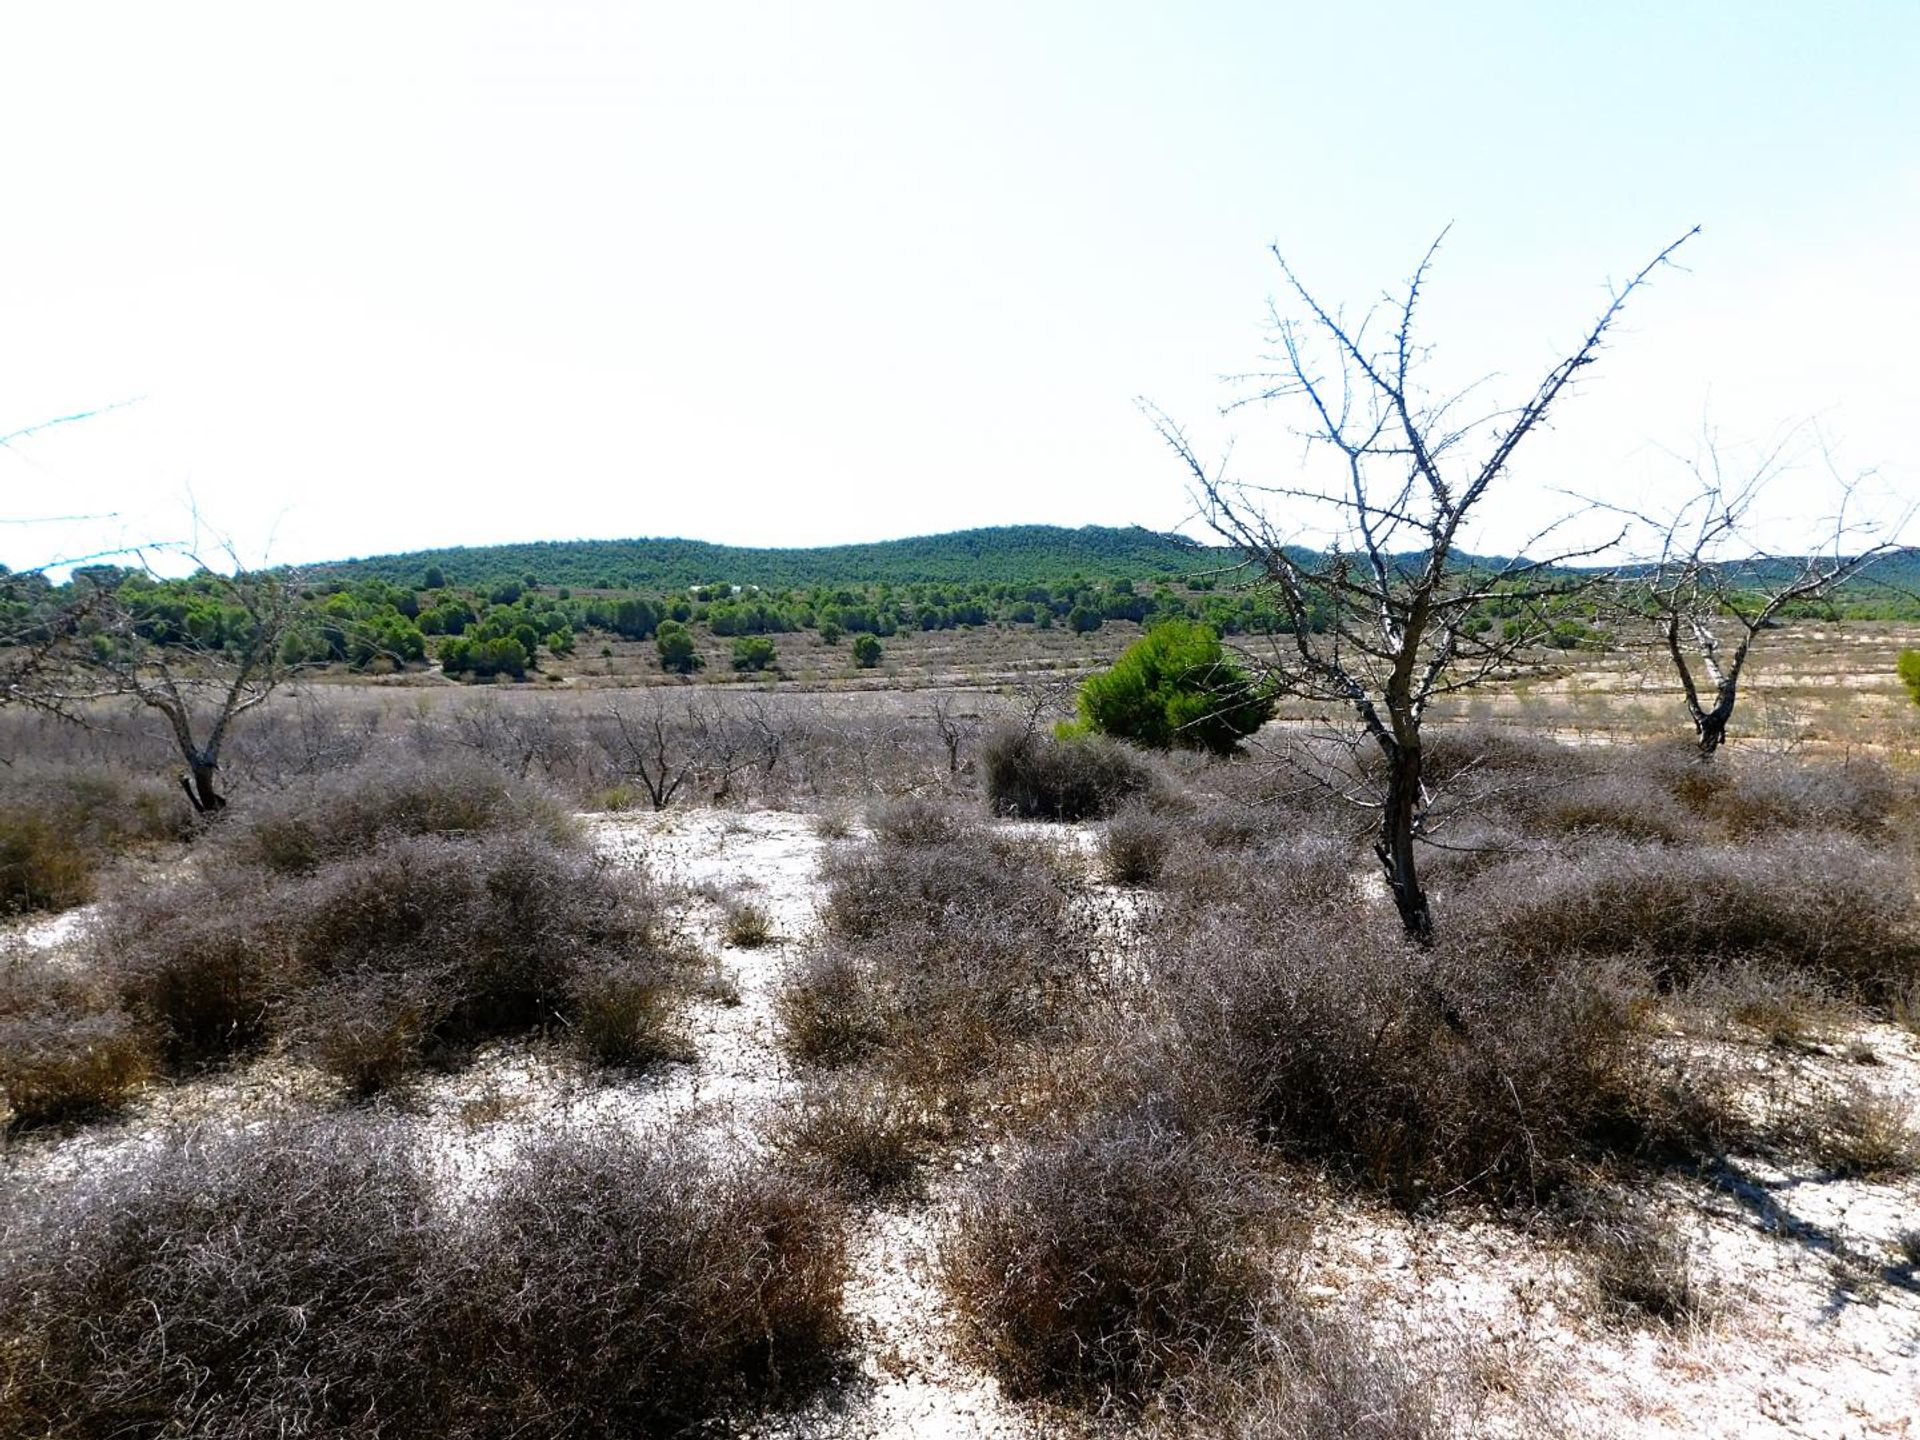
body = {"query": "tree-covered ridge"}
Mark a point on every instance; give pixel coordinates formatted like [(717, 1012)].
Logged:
[(507, 626), (510, 624), (1001, 553)]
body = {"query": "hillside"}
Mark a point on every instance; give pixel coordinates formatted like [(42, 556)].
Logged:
[(999, 553)]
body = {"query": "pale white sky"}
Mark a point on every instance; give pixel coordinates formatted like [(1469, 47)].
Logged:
[(389, 276)]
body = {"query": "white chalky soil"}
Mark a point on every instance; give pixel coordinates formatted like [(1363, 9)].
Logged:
[(1815, 1330)]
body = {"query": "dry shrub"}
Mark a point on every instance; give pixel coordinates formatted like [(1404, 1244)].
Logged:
[(1630, 806), (912, 822), (747, 925), (943, 961), (1239, 825), (300, 1279), (1134, 846), (349, 813), (369, 962), (66, 1051), (1308, 1376), (1264, 884), (877, 887), (1034, 777), (615, 1284), (1104, 1263), (41, 866), (870, 1137), (1423, 1074), (264, 1282), (461, 939), (1453, 755), (1859, 795), (197, 961), (1863, 1131), (1824, 903)]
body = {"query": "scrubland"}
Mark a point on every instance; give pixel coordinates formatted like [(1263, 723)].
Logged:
[(913, 1074)]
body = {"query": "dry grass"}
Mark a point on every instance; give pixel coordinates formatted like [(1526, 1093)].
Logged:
[(746, 925), (1637, 1258), (59, 824), (1861, 1130)]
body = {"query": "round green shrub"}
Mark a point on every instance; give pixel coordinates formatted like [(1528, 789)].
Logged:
[(1176, 686)]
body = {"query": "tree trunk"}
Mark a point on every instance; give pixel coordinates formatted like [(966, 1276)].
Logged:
[(198, 784), (1395, 846), (1712, 725)]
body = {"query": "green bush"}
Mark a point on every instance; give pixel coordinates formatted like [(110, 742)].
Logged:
[(866, 651), (677, 652), (753, 652), (1909, 668), (1175, 686)]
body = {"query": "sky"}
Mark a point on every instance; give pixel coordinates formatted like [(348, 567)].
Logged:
[(365, 278)]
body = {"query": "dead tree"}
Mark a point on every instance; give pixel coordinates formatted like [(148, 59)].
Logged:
[(1710, 588), (955, 728), (199, 684), (1383, 611), (671, 747)]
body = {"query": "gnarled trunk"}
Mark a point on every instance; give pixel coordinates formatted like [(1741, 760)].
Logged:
[(1398, 821), (1712, 728), (198, 782)]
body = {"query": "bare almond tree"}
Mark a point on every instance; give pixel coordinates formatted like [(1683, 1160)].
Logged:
[(1383, 612), (200, 684), (1710, 587)]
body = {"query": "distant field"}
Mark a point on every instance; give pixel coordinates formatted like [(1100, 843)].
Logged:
[(1808, 682)]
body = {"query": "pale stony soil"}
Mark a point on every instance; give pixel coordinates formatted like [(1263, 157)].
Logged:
[(1814, 1323)]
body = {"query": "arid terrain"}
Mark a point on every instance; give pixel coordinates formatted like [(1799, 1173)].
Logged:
[(1144, 1122)]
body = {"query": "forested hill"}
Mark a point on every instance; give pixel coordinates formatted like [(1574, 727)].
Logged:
[(1014, 553)]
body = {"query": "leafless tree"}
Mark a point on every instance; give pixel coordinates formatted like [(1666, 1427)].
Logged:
[(199, 685), (1383, 611), (680, 745), (1710, 586), (955, 728)]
